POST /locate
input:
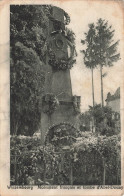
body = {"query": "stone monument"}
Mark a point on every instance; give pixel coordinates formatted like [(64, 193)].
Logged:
[(59, 105)]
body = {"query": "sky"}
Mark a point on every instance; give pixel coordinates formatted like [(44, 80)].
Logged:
[(83, 13)]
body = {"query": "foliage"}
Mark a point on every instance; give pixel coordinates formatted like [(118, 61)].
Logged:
[(36, 164), (49, 103), (29, 25), (95, 153), (88, 156), (27, 80), (104, 123), (30, 159), (100, 47), (106, 49), (28, 42)]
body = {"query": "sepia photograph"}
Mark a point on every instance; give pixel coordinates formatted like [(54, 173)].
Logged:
[(65, 96)]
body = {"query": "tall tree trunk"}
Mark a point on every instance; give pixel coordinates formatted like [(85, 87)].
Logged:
[(93, 125), (102, 100), (92, 85)]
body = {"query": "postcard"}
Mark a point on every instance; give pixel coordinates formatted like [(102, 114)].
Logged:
[(61, 97)]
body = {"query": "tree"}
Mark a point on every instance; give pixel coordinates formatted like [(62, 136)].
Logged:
[(29, 25), (26, 83), (105, 48), (28, 42), (104, 123), (89, 53), (100, 50)]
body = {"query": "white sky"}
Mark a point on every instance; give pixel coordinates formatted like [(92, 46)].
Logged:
[(82, 13)]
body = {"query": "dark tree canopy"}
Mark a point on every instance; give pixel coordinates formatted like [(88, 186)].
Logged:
[(29, 25), (27, 81), (28, 34)]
